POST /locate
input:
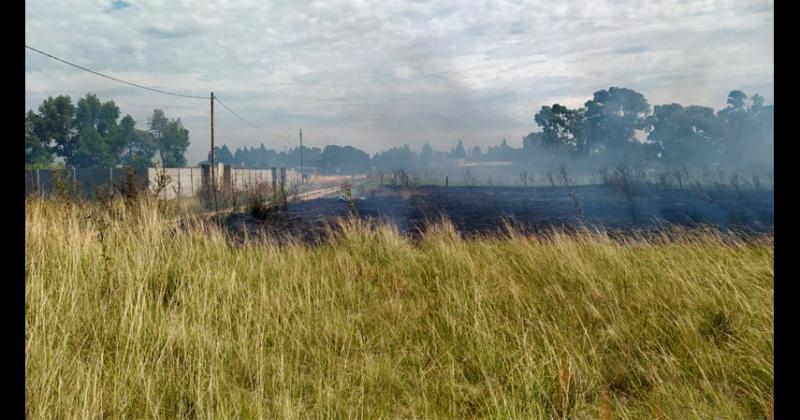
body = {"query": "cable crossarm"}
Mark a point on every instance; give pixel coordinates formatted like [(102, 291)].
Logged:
[(248, 122), (114, 78)]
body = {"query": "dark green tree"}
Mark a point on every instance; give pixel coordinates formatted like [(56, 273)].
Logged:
[(54, 124), (37, 152), (562, 129), (93, 144), (170, 138), (136, 146)]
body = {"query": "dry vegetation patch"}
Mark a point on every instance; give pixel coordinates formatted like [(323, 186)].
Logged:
[(127, 316)]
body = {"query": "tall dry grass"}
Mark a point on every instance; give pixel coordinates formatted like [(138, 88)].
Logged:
[(128, 316)]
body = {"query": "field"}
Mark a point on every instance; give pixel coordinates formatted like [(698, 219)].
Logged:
[(130, 313), (480, 210)]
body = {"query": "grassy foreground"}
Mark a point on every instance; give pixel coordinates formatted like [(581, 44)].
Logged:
[(128, 317)]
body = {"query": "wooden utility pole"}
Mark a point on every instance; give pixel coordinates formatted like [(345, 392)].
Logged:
[(302, 173), (213, 157), (213, 152)]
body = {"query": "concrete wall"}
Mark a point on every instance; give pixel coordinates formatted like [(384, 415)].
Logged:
[(180, 182)]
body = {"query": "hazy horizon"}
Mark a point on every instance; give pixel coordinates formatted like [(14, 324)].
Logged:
[(380, 75)]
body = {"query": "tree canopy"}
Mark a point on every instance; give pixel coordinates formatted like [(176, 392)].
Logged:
[(91, 134)]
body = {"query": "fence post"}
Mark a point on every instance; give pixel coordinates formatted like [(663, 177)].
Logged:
[(39, 183), (191, 180)]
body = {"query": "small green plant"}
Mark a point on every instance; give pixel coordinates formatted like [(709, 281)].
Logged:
[(717, 326)]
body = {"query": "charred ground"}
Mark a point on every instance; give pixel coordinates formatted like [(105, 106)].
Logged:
[(476, 210)]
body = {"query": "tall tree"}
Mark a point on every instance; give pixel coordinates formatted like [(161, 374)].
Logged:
[(426, 155), (459, 152), (685, 135), (344, 159), (170, 138), (37, 152), (476, 153), (95, 125), (136, 146), (53, 125), (749, 129), (396, 158), (562, 129), (612, 117)]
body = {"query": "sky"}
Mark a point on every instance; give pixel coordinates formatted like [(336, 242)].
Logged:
[(380, 74)]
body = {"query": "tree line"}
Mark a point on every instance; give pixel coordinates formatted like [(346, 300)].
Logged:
[(91, 134), (616, 126)]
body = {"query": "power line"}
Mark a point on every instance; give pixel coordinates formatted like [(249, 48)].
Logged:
[(157, 90), (114, 78), (248, 122)]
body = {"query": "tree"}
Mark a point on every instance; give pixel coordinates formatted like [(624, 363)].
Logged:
[(612, 116), (225, 156), (749, 129), (736, 100), (562, 129), (458, 152), (170, 138), (95, 124), (685, 135), (476, 153), (37, 152), (532, 145), (396, 158), (426, 155), (53, 125), (344, 159), (136, 146)]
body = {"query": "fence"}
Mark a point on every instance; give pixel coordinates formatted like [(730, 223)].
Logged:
[(178, 182)]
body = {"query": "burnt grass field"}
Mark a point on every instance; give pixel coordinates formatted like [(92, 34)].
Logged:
[(476, 210)]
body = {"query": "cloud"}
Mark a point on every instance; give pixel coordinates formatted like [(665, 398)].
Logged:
[(377, 74)]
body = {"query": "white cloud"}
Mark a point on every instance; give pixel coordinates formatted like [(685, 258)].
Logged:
[(374, 74)]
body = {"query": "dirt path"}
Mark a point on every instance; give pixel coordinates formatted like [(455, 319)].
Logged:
[(318, 193)]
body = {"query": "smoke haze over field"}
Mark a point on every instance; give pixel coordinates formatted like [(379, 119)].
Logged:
[(380, 74)]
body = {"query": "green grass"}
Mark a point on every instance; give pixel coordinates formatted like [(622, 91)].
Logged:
[(128, 317)]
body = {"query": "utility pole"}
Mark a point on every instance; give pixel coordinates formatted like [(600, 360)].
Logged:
[(213, 156), (302, 173)]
